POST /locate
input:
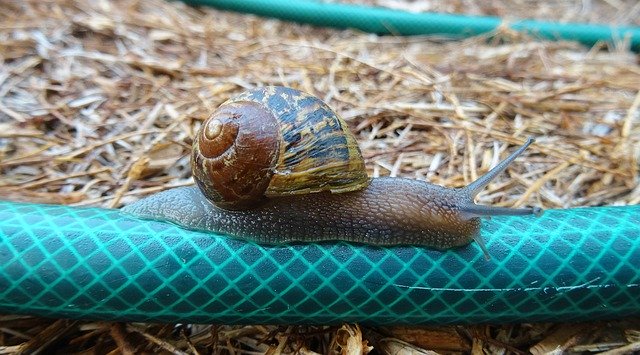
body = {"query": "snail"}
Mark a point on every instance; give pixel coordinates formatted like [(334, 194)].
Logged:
[(276, 165)]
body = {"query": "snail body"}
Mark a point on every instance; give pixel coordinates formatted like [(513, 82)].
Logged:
[(303, 180), (371, 215)]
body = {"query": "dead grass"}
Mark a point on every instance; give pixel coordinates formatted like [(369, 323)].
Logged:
[(99, 101)]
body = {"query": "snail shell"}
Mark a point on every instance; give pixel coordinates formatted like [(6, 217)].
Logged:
[(274, 141)]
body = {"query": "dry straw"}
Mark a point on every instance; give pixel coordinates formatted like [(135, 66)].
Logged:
[(99, 101)]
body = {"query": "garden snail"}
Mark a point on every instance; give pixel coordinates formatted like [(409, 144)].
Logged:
[(277, 165)]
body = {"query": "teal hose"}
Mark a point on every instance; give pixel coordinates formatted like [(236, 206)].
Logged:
[(100, 264), (388, 21)]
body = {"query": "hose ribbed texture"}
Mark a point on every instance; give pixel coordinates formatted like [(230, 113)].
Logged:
[(91, 263)]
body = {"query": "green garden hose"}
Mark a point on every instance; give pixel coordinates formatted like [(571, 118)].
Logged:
[(388, 21), (101, 264)]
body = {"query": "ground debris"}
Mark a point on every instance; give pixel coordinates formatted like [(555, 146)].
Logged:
[(99, 102)]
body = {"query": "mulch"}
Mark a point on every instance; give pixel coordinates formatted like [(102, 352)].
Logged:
[(100, 100)]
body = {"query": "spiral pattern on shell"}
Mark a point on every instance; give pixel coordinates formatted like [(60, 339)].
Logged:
[(274, 141)]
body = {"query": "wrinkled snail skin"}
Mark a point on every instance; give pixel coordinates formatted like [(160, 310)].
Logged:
[(390, 211), (276, 165)]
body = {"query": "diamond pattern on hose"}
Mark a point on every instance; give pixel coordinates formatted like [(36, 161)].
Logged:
[(93, 263)]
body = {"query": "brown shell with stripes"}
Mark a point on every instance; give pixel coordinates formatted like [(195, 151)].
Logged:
[(274, 141)]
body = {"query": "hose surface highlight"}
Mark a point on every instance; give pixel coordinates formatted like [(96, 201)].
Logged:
[(100, 264)]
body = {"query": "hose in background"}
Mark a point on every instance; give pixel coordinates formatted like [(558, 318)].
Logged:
[(388, 21)]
